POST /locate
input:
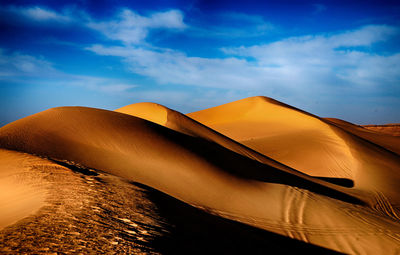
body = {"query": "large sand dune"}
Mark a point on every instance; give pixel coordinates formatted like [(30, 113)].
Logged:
[(308, 143), (255, 162), (179, 122), (281, 132)]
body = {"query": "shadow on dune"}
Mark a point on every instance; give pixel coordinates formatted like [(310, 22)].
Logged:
[(83, 135), (191, 231), (75, 168), (247, 168), (338, 181), (184, 229)]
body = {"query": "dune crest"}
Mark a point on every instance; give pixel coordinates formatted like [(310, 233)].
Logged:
[(150, 111), (281, 132)]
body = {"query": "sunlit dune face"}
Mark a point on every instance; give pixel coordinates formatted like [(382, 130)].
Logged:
[(287, 135), (153, 112)]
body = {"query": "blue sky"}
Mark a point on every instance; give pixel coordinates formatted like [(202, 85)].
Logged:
[(331, 58)]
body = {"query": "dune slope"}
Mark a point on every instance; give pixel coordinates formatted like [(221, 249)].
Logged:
[(207, 176), (21, 194), (384, 139), (91, 212), (179, 122), (390, 129), (281, 132), (307, 143)]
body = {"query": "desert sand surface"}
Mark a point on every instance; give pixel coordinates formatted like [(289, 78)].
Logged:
[(307, 143), (378, 134), (22, 192), (252, 176), (179, 122), (391, 129), (280, 131)]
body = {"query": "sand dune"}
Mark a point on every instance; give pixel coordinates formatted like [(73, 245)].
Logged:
[(383, 139), (92, 212), (390, 129), (220, 176), (20, 194), (307, 143), (179, 122), (281, 132)]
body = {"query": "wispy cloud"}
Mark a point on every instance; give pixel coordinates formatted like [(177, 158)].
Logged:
[(174, 67), (17, 67), (329, 58), (102, 84), (21, 65), (315, 45), (127, 26), (317, 61), (132, 28), (43, 14)]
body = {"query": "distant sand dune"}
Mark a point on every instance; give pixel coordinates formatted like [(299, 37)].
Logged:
[(161, 148), (386, 138), (390, 129)]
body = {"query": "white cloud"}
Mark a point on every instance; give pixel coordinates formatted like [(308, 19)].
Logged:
[(313, 49), (315, 58), (174, 67), (16, 67), (318, 62), (364, 36), (40, 14), (132, 28), (102, 84), (373, 70), (17, 64), (127, 26), (168, 19)]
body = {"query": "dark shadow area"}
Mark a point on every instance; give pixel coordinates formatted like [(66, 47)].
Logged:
[(188, 230), (75, 168), (244, 167), (344, 182)]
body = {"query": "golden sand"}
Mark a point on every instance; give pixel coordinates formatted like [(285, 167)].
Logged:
[(255, 161)]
